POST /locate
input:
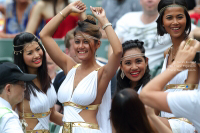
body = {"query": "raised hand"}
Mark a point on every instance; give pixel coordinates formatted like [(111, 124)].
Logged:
[(100, 14), (77, 7), (186, 53)]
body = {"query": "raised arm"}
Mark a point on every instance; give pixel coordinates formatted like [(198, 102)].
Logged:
[(60, 58), (114, 61), (157, 123), (35, 17), (151, 94)]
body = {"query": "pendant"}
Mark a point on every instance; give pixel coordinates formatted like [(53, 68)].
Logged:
[(24, 125)]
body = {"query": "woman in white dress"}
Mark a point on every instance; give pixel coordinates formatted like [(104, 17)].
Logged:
[(175, 21), (84, 88), (37, 107), (134, 69)]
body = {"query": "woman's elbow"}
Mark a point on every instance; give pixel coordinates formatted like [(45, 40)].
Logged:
[(42, 34)]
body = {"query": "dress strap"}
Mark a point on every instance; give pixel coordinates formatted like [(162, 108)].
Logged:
[(89, 107), (76, 66), (32, 115), (182, 86), (169, 50)]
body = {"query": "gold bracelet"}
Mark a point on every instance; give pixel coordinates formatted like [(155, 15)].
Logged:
[(62, 15), (107, 24)]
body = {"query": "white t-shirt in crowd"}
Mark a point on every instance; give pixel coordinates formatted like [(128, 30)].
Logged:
[(130, 27), (9, 123), (186, 104)]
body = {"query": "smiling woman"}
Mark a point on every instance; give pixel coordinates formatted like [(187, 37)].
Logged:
[(134, 69), (175, 20), (40, 95)]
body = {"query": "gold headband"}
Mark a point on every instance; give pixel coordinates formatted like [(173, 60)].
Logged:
[(86, 36), (173, 5), (132, 56), (20, 51)]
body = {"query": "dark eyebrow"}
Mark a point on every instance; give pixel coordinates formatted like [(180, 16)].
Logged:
[(180, 15), (168, 15), (37, 47)]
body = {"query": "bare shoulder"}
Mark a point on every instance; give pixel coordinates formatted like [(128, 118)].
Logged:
[(41, 4)]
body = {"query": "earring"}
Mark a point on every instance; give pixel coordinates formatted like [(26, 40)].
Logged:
[(122, 74)]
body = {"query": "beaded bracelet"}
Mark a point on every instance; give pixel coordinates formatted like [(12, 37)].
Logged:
[(62, 15), (106, 25)]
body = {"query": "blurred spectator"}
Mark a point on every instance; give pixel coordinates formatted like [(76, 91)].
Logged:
[(46, 10), (128, 115), (195, 13), (115, 9), (52, 67), (17, 15)]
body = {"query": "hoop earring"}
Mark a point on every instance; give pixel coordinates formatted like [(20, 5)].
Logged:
[(122, 74)]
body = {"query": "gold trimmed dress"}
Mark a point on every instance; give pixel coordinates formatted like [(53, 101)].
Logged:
[(83, 95), (178, 125)]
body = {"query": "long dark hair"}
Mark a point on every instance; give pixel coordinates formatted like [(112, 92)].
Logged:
[(125, 82), (19, 42), (128, 113), (163, 3)]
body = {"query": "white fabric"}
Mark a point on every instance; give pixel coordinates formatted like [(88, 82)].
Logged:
[(42, 103), (130, 27), (177, 125), (186, 104), (9, 123), (84, 94), (140, 89)]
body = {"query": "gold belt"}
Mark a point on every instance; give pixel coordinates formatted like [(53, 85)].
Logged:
[(89, 107), (37, 131), (67, 127), (182, 86), (181, 119), (32, 115)]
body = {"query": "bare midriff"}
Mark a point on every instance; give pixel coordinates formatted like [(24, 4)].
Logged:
[(31, 122), (89, 116)]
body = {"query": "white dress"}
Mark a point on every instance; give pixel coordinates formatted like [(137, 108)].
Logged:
[(84, 94), (177, 126), (42, 103)]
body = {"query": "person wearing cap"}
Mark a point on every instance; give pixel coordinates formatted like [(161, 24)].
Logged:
[(12, 86)]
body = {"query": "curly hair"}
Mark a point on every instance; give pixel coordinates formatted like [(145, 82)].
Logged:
[(125, 82)]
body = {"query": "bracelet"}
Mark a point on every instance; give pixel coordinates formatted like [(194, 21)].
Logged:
[(108, 24), (62, 15)]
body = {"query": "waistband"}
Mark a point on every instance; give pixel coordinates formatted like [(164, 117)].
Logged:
[(182, 86), (89, 107), (38, 131), (181, 119), (67, 127), (32, 115)]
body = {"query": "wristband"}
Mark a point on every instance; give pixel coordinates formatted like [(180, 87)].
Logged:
[(107, 24)]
